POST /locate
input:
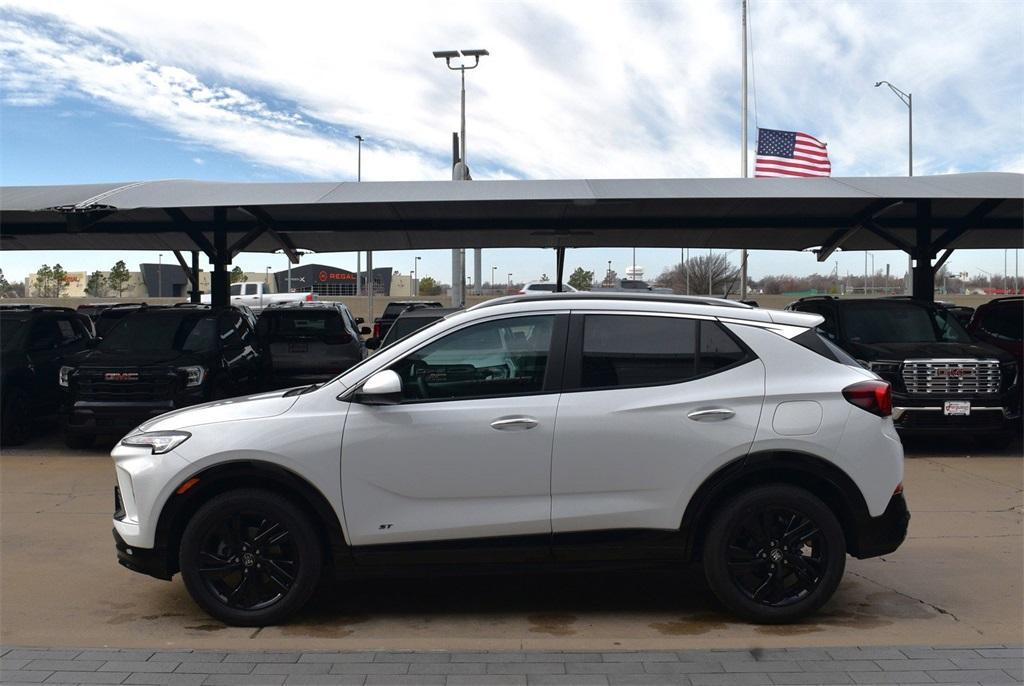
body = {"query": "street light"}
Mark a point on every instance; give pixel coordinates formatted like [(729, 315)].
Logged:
[(493, 269), (509, 285), (416, 273), (908, 100), (448, 56)]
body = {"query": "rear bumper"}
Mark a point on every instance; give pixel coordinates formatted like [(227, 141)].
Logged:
[(152, 562), (883, 534)]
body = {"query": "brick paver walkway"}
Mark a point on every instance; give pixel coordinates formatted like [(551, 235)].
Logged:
[(997, 664)]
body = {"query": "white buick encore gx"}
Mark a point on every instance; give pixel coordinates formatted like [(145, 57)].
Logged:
[(551, 429)]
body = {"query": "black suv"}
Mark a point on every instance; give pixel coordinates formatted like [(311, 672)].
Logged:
[(153, 361), (34, 343), (410, 322), (942, 379)]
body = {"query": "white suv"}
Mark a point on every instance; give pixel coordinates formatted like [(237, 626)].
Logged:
[(559, 428)]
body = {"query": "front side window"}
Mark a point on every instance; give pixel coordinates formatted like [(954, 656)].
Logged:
[(628, 351), (236, 289), (503, 357)]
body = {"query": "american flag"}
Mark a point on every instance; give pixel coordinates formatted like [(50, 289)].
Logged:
[(790, 153)]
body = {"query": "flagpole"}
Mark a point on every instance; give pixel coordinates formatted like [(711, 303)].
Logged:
[(743, 135)]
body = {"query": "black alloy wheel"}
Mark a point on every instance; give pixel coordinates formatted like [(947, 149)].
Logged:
[(250, 557), (774, 553)]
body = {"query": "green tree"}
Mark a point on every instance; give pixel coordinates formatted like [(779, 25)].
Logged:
[(429, 286), (238, 275), (581, 279), (96, 285), (544, 277), (6, 289), (118, 277), (43, 281), (60, 280)]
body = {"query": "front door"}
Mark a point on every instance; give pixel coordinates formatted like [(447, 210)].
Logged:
[(467, 453)]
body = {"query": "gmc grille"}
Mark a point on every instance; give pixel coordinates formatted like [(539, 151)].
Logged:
[(91, 385), (951, 377)]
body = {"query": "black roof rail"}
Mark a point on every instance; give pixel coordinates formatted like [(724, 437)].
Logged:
[(817, 297), (636, 296), (1006, 298)]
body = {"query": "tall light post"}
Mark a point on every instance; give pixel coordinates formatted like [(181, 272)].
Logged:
[(508, 286), (416, 274), (460, 171), (266, 279), (359, 177), (908, 100), (159, 275), (493, 269)]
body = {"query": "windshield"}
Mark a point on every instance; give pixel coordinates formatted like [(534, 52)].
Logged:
[(9, 328), (901, 323), (146, 332)]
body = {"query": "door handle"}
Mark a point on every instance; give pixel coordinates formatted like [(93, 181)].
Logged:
[(715, 414), (514, 423)]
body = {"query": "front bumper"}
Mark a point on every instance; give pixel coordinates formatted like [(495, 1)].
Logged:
[(96, 417), (152, 562), (883, 534), (931, 418)]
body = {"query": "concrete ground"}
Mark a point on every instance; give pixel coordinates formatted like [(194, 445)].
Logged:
[(956, 581)]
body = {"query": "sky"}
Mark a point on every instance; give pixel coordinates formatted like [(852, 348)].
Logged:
[(118, 90)]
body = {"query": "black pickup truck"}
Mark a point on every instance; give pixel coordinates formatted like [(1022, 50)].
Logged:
[(943, 379), (382, 323)]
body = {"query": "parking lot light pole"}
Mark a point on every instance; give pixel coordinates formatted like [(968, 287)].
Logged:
[(416, 274), (493, 269), (908, 100), (509, 286), (160, 275)]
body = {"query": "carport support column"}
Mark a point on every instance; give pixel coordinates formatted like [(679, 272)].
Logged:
[(219, 284), (559, 268), (924, 274), (194, 294)]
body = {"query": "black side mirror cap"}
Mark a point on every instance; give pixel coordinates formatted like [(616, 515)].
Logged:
[(365, 330), (372, 343), (360, 320)]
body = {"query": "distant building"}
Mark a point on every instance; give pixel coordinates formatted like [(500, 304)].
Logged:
[(323, 279)]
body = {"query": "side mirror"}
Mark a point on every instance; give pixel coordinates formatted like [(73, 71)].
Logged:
[(364, 330), (383, 388), (372, 343), (360, 320)]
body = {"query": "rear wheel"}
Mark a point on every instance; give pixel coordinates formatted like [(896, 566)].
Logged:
[(250, 558), (774, 554)]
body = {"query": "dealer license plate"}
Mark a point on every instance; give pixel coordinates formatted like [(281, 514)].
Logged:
[(956, 408)]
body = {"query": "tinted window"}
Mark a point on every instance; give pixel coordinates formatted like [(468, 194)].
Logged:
[(1002, 321), (828, 327), (549, 287), (233, 331), (300, 324), (498, 358), (818, 343), (624, 350), (9, 328), (900, 323), (404, 326), (236, 289), (45, 334)]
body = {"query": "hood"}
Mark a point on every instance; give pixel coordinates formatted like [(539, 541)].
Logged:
[(104, 358), (903, 351), (232, 409)]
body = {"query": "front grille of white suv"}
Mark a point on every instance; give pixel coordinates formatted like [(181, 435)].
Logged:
[(966, 377)]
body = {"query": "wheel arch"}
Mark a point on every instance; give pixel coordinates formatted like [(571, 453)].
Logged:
[(226, 476), (817, 475)]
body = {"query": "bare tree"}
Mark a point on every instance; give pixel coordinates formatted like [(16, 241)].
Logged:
[(723, 275)]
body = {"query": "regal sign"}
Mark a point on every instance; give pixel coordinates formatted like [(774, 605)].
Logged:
[(336, 276)]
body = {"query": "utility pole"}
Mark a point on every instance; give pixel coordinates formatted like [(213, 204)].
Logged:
[(359, 177)]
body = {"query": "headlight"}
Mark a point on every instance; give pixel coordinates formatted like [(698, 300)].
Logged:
[(159, 442), (193, 375), (64, 378)]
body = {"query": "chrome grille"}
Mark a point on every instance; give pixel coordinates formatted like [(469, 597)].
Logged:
[(952, 377), (91, 385)]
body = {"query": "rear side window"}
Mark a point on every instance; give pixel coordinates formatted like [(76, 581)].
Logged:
[(1002, 322), (300, 324), (623, 351)]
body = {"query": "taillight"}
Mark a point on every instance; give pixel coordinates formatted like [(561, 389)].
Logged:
[(873, 396), (309, 297), (376, 330)]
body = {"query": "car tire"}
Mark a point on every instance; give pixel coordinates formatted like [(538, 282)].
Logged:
[(774, 554), (15, 421), (79, 441), (250, 557)]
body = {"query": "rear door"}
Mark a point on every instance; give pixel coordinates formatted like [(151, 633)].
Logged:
[(653, 404)]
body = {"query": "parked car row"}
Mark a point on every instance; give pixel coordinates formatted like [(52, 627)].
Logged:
[(107, 367)]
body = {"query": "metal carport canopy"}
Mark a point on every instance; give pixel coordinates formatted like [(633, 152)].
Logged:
[(975, 210)]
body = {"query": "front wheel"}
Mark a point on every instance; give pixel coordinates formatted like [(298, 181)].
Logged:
[(250, 558), (774, 554)]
